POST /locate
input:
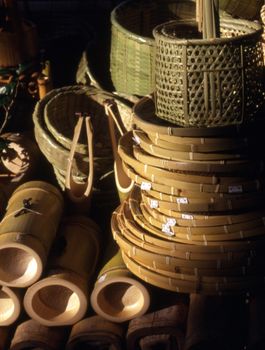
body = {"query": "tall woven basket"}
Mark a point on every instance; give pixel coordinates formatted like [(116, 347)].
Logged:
[(132, 42), (202, 82)]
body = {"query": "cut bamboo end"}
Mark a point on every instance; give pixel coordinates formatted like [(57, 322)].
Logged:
[(58, 300), (118, 297), (10, 306), (21, 262)]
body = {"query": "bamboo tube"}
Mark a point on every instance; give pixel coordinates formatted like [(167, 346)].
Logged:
[(27, 231), (10, 305), (45, 80), (117, 295), (61, 297), (31, 335), (96, 332)]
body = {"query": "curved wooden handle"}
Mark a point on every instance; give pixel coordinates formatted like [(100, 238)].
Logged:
[(79, 192)]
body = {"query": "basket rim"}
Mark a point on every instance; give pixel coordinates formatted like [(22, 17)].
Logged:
[(132, 35), (224, 22)]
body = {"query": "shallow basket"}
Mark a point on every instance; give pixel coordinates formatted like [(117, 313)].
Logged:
[(202, 82), (132, 43)]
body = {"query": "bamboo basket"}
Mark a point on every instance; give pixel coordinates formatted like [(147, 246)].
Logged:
[(132, 44), (61, 296), (31, 335), (10, 45), (10, 306), (27, 232), (243, 8), (54, 138), (117, 296), (205, 83)]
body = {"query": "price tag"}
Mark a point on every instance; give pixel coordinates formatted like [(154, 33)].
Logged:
[(154, 204), (182, 200), (146, 186), (235, 189), (187, 216), (171, 221), (167, 230)]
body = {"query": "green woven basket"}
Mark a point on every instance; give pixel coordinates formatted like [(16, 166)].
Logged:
[(132, 42), (202, 82)]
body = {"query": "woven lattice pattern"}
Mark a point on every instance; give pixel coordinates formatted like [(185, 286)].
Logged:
[(203, 83)]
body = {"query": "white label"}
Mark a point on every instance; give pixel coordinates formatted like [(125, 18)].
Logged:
[(235, 189), (187, 216), (146, 186), (171, 221), (153, 204), (182, 200), (167, 230), (136, 139), (102, 278)]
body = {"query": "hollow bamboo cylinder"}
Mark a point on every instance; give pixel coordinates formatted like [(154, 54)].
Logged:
[(31, 335), (117, 295), (27, 232), (10, 305), (96, 332), (61, 298)]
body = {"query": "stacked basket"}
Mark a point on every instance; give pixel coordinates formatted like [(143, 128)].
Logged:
[(194, 221), (55, 121)]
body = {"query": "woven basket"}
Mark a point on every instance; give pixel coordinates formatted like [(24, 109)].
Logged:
[(132, 43), (242, 8), (213, 82)]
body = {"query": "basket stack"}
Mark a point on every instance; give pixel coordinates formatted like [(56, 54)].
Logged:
[(55, 119), (194, 221)]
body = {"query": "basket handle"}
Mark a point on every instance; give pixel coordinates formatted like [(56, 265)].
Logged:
[(80, 192)]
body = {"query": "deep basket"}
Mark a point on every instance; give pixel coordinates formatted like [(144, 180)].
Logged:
[(132, 42), (202, 82)]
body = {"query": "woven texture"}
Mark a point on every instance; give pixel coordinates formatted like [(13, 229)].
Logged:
[(132, 43), (54, 120), (208, 83)]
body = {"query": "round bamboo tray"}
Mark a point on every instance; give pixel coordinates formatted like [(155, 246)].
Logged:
[(24, 246), (61, 296), (132, 44), (145, 118), (10, 305)]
